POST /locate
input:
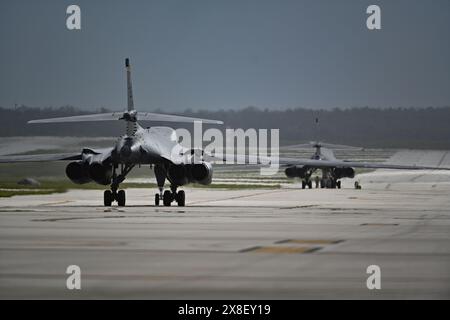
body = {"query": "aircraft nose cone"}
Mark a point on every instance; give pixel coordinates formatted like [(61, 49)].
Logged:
[(125, 151)]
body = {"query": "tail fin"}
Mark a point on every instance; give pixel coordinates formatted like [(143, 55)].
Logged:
[(131, 122), (130, 102), (130, 116)]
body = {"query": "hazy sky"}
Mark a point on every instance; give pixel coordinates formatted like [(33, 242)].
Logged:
[(221, 54)]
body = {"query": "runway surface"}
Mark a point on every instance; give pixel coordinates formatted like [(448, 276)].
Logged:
[(241, 244)]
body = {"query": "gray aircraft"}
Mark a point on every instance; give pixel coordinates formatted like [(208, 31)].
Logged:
[(155, 146), (159, 147), (333, 169)]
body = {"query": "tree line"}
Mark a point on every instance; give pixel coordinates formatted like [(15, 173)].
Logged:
[(365, 127)]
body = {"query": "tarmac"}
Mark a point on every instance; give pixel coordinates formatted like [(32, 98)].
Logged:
[(283, 243)]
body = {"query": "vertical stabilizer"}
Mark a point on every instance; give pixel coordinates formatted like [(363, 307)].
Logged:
[(130, 102), (131, 120)]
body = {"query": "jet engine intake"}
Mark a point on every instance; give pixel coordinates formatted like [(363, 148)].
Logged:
[(181, 174), (345, 172), (78, 172), (100, 173), (296, 172), (177, 174), (201, 173)]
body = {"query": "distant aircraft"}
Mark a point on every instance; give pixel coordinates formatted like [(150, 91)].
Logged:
[(157, 146), (333, 169)]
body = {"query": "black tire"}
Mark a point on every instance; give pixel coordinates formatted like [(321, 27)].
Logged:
[(181, 198), (157, 199), (167, 198), (338, 184), (303, 184), (310, 184), (107, 198), (121, 198)]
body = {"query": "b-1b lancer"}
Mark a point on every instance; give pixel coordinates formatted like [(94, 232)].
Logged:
[(332, 169), (157, 146)]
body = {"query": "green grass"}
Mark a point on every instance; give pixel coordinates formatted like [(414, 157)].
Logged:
[(235, 186), (18, 192), (40, 151), (57, 186), (53, 180), (60, 186)]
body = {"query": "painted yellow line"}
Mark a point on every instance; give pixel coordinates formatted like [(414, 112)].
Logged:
[(283, 250), (379, 224), (55, 203), (309, 241)]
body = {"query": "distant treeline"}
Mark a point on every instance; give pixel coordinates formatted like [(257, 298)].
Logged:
[(365, 127)]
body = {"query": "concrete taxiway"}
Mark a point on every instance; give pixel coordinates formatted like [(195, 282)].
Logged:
[(250, 244)]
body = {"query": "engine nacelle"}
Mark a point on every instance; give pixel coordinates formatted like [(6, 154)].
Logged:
[(201, 173), (182, 174), (295, 172), (100, 173), (177, 174), (346, 172), (78, 172)]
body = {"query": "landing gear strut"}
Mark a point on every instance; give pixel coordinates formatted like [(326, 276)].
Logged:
[(109, 196)]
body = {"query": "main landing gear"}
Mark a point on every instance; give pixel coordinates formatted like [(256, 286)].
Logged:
[(171, 195), (306, 183), (330, 184), (109, 196), (168, 196)]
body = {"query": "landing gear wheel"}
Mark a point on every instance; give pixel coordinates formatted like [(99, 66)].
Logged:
[(121, 198), (338, 184), (310, 184), (157, 199), (181, 197), (167, 198), (107, 198), (303, 184)]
